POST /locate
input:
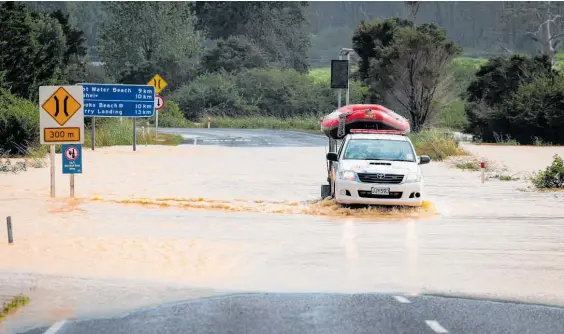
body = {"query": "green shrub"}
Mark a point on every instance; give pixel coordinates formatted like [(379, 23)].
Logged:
[(170, 116), (255, 92), (552, 177), (215, 93), (19, 124), (283, 93)]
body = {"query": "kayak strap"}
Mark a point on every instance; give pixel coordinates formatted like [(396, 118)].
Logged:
[(342, 123)]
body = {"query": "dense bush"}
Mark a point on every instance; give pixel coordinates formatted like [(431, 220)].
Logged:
[(495, 84), (535, 112), (209, 94), (171, 116), (255, 92), (551, 177), (19, 123)]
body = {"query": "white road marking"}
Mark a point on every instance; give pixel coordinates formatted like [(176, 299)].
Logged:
[(402, 299), (436, 326), (55, 327)]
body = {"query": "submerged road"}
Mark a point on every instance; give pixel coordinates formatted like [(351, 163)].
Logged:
[(490, 240), (325, 313), (248, 138)]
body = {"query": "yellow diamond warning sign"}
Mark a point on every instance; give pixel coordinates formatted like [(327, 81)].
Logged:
[(61, 114), (61, 106), (159, 83)]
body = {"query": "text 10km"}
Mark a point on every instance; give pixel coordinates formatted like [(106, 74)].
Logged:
[(144, 106), (148, 97)]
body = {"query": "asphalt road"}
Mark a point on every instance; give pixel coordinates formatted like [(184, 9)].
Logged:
[(250, 138), (325, 313)]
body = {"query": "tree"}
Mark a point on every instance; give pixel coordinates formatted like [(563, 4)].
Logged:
[(494, 84), (539, 21), (37, 49), (139, 33), (500, 77), (280, 28), (535, 111), (411, 69), (371, 38), (18, 48), (234, 54)]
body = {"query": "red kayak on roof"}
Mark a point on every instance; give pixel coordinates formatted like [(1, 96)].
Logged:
[(339, 123)]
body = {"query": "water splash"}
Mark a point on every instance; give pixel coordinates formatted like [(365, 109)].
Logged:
[(322, 207)]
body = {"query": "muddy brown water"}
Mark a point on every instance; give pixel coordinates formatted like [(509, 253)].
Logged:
[(165, 224)]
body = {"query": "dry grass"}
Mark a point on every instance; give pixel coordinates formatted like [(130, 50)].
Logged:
[(436, 144)]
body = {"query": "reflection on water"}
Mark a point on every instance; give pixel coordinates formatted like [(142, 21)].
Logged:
[(201, 227)]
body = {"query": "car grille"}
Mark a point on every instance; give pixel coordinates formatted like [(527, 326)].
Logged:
[(373, 178), (368, 194)]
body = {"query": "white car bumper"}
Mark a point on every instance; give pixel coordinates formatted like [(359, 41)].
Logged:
[(353, 192)]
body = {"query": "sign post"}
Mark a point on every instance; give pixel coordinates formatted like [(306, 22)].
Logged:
[(72, 163), (104, 100), (159, 104), (160, 84), (61, 119)]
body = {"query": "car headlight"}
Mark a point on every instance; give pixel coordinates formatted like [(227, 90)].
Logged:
[(346, 175), (411, 178)]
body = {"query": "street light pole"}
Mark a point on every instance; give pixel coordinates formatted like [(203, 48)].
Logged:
[(340, 89), (348, 77)]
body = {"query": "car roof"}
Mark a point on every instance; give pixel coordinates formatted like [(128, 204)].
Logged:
[(378, 136)]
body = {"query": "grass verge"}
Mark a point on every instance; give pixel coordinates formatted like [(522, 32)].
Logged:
[(115, 132), (13, 305)]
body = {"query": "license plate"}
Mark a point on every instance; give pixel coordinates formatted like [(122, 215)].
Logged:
[(380, 191)]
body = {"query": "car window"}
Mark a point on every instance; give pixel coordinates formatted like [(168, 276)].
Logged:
[(379, 149)]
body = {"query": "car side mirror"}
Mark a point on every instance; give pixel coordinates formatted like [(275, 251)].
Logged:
[(424, 159), (332, 156)]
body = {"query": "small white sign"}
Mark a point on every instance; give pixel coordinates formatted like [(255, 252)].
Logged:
[(159, 102)]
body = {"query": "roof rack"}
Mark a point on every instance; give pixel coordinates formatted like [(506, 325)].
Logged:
[(382, 132)]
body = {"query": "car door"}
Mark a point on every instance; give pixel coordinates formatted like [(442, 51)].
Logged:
[(335, 166)]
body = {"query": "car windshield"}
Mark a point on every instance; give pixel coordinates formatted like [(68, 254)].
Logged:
[(379, 149)]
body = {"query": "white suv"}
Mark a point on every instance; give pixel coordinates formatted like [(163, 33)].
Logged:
[(380, 169)]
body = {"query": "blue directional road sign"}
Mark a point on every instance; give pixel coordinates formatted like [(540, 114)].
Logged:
[(102, 100), (72, 159)]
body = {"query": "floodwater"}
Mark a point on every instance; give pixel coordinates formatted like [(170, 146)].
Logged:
[(169, 223)]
